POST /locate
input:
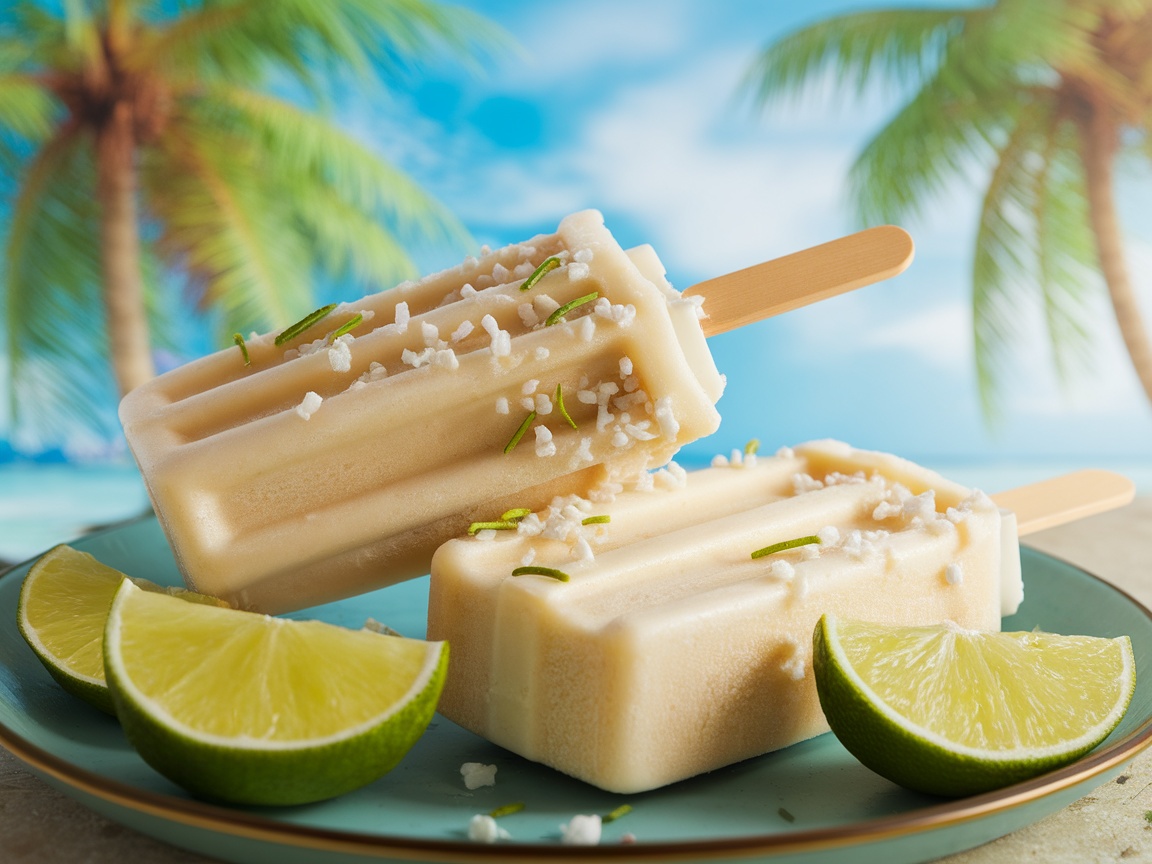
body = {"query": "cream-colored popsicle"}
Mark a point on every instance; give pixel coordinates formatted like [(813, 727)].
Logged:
[(671, 651), (335, 464)]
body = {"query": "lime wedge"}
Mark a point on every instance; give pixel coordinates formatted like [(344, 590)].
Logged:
[(63, 607), (956, 712), (250, 709)]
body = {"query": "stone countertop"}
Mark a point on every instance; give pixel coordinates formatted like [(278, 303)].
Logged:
[(39, 825)]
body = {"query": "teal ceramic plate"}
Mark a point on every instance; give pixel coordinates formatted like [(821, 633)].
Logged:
[(810, 803)]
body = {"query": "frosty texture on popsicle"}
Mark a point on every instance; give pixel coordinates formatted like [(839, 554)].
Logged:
[(302, 467), (670, 650)]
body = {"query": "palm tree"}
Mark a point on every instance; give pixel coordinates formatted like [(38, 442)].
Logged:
[(1039, 99), (144, 142)]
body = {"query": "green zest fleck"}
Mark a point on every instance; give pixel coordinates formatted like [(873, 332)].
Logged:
[(507, 521), (309, 320), (559, 314), (348, 326), (752, 447), (559, 400), (787, 544), (597, 520), (239, 340), (785, 815), (622, 810), (532, 570), (519, 433), (506, 809), (538, 274), (502, 525)]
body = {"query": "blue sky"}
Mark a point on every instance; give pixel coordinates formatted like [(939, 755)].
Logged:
[(635, 108)]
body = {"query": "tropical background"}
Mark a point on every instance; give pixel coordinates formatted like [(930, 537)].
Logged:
[(173, 172)]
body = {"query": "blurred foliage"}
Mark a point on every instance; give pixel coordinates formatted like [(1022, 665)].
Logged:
[(244, 196), (1035, 98)]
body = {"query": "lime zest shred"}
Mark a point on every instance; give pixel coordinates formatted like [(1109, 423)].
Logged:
[(347, 327), (506, 809), (239, 340), (752, 447), (508, 521), (622, 810), (311, 319), (787, 544), (557, 316), (533, 570), (559, 400), (785, 815), (603, 519), (548, 264), (501, 525), (519, 433)]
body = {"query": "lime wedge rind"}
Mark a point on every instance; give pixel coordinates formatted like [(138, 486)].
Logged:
[(921, 759), (33, 619), (251, 770)]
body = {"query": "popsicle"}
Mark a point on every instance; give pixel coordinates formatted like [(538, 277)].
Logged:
[(638, 642), (334, 457)]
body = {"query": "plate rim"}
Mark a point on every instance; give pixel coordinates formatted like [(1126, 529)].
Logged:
[(222, 820)]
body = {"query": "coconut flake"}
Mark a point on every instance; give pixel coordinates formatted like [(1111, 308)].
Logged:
[(671, 476), (402, 319), (340, 354), (782, 570), (462, 331), (477, 774), (501, 340), (482, 828), (581, 831), (545, 446), (669, 425), (309, 405), (578, 271)]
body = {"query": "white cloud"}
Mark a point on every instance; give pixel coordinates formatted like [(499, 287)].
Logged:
[(714, 196), (565, 41), (939, 335)]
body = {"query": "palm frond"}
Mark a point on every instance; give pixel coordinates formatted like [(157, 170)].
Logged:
[(902, 44), (308, 38), (944, 131), (49, 41), (275, 195), (1032, 247), (219, 223), (1000, 265), (297, 144), (26, 108), (1065, 255), (53, 311), (348, 241)]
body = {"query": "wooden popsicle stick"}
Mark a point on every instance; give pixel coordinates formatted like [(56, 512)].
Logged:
[(1065, 498), (804, 277)]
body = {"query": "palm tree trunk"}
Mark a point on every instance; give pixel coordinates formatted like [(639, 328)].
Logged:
[(127, 321), (1100, 140)]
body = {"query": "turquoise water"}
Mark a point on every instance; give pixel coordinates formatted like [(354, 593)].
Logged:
[(42, 505)]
